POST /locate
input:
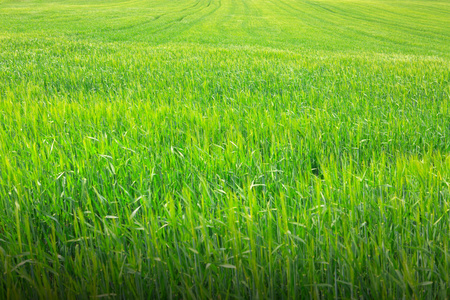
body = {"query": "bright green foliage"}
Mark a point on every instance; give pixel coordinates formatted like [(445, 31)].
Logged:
[(224, 149)]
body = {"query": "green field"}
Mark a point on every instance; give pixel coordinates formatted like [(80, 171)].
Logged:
[(225, 149)]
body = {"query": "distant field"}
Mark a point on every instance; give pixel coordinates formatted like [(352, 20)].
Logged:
[(224, 149)]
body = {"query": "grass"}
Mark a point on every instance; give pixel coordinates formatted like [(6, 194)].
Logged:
[(224, 149)]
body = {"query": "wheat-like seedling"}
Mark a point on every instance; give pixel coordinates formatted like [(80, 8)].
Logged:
[(220, 149)]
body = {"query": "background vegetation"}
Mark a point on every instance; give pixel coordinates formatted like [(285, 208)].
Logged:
[(224, 149)]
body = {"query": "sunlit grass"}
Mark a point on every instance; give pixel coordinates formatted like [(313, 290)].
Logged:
[(142, 159)]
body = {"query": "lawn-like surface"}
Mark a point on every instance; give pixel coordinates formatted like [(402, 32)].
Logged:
[(224, 149)]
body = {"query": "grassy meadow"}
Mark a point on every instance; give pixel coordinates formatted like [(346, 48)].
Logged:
[(224, 149)]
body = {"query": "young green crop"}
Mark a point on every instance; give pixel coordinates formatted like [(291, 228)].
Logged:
[(222, 149)]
